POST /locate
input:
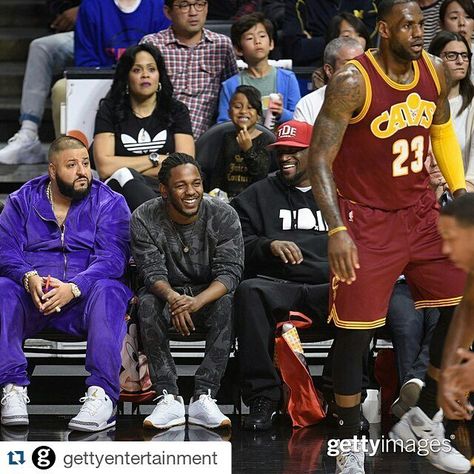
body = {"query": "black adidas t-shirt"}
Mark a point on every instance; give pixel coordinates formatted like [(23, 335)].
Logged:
[(142, 136)]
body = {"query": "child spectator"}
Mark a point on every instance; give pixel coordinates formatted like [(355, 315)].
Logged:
[(252, 37), (243, 158)]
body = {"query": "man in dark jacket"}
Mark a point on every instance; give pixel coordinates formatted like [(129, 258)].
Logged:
[(64, 247), (285, 240)]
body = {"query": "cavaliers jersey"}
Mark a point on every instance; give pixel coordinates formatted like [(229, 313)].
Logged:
[(381, 160)]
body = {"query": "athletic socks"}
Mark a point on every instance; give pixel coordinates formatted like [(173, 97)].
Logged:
[(427, 401)]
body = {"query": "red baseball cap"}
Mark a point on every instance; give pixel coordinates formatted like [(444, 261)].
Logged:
[(293, 133)]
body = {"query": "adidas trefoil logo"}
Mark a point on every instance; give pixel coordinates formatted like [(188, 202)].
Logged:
[(144, 144)]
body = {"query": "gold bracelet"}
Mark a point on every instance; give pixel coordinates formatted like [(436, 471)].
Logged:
[(336, 230), (26, 277)]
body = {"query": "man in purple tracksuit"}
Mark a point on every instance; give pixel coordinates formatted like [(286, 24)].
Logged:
[(64, 245)]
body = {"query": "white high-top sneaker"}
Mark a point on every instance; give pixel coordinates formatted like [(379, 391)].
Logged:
[(169, 411), (415, 425), (205, 412), (351, 461), (22, 150), (97, 413), (13, 403)]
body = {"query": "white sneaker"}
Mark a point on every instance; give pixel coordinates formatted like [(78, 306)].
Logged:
[(415, 425), (22, 149), (205, 412), (351, 462), (408, 397), (96, 414), (169, 411), (13, 403)]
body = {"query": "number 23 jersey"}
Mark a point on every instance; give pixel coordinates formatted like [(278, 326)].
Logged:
[(381, 160)]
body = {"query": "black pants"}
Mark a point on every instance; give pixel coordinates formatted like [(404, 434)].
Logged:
[(258, 305)]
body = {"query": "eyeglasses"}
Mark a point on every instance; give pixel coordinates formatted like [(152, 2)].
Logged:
[(186, 6), (453, 56)]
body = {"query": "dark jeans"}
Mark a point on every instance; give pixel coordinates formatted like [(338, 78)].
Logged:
[(411, 332), (215, 318)]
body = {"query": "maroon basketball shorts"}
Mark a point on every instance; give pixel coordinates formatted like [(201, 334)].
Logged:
[(390, 244)]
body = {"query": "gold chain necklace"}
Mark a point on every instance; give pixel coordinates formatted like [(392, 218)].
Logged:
[(185, 247), (49, 194)]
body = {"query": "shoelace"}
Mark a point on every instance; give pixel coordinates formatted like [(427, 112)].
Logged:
[(207, 401), (163, 398), (262, 405), (91, 404), (350, 458), (15, 395)]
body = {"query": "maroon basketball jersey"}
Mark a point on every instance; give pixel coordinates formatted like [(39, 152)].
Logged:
[(381, 160)]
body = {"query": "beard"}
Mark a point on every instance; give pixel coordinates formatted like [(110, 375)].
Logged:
[(296, 179), (69, 191)]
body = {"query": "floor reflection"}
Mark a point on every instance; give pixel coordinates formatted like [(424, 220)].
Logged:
[(280, 450)]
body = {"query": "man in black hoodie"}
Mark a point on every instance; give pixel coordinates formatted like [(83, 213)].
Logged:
[(286, 265)]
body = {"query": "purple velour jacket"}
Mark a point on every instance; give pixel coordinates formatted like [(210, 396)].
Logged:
[(94, 244)]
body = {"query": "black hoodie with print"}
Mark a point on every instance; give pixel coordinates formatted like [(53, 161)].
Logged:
[(271, 210)]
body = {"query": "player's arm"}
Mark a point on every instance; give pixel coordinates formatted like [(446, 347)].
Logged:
[(461, 329), (344, 98), (460, 335), (444, 141)]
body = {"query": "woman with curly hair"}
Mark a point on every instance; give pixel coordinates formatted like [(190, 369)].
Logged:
[(138, 124)]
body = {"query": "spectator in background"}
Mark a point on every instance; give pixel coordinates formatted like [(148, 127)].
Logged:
[(306, 24), (189, 253), (252, 37), (47, 57), (455, 51), (230, 9), (457, 16), (243, 158), (430, 10), (104, 30), (107, 28), (336, 54), (197, 60), (138, 124), (344, 25)]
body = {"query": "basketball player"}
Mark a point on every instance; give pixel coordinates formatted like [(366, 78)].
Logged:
[(367, 170), (456, 226)]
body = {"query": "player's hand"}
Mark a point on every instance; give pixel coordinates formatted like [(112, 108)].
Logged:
[(288, 251), (66, 20), (35, 284), (343, 256), (455, 383), (60, 295), (276, 106), (244, 140)]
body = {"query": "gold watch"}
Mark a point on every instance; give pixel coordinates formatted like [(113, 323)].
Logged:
[(75, 290)]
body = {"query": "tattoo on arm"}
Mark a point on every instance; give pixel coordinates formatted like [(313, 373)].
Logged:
[(345, 96)]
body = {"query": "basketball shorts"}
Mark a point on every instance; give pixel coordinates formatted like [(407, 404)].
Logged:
[(390, 244)]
